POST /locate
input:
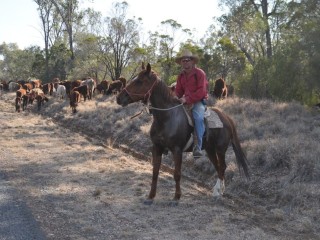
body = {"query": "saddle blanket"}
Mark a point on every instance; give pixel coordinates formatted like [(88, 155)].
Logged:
[(213, 119)]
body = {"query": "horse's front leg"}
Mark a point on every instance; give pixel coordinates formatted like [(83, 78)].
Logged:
[(177, 157), (156, 162)]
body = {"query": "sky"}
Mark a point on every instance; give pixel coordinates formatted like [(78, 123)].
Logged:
[(20, 22)]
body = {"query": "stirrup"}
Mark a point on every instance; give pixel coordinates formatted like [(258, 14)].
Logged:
[(197, 153)]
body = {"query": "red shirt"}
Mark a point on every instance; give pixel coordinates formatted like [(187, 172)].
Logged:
[(194, 85)]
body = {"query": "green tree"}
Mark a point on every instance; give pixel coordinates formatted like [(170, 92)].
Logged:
[(67, 10), (119, 41), (46, 13), (17, 64), (295, 69), (254, 27)]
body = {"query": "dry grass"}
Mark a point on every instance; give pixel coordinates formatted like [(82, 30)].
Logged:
[(281, 141), (282, 145)]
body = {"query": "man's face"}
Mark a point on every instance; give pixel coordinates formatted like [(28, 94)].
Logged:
[(187, 63)]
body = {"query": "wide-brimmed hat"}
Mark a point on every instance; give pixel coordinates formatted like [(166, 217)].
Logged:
[(186, 54)]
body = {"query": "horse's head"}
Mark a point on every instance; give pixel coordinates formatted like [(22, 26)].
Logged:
[(138, 89)]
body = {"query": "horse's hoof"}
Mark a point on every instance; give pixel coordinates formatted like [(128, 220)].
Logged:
[(218, 200), (148, 202)]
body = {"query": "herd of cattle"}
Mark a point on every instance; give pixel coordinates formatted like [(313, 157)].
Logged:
[(29, 91), (33, 89)]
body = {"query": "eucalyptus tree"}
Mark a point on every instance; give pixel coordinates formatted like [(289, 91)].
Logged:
[(253, 26), (296, 66), (221, 56), (58, 19), (168, 39), (257, 20), (88, 62), (18, 64), (46, 14), (310, 40), (68, 11), (119, 41), (88, 32)]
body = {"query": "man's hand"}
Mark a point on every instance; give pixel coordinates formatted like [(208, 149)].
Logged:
[(183, 99)]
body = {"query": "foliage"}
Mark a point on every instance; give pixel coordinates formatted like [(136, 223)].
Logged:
[(18, 64), (265, 48), (121, 37)]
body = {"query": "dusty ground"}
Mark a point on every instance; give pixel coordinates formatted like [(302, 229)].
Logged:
[(80, 188)]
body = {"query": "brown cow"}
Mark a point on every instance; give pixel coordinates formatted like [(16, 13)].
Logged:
[(27, 86), (68, 86), (41, 98), (18, 104), (220, 90), (115, 87), (91, 83), (75, 83), (103, 86), (21, 92), (74, 100), (47, 88), (27, 99), (124, 81), (36, 83), (83, 90), (20, 99)]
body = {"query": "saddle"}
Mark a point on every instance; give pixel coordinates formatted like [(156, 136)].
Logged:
[(211, 120)]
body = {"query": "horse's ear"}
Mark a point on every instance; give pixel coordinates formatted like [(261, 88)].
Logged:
[(142, 66), (148, 68)]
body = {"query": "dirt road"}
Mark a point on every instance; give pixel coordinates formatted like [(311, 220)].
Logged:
[(77, 188)]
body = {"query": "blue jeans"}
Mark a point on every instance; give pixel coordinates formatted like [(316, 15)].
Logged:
[(198, 116)]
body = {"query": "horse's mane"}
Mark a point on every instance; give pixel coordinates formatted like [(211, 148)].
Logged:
[(164, 90)]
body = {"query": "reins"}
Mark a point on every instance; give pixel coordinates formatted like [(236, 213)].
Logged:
[(137, 114), (165, 109), (158, 109)]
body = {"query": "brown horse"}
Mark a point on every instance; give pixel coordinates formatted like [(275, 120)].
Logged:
[(171, 130)]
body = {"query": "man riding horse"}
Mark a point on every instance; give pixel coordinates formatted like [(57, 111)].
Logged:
[(192, 90)]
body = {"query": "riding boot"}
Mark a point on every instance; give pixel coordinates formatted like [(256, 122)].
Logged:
[(196, 150)]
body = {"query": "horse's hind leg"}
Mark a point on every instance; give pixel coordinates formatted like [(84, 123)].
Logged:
[(218, 160)]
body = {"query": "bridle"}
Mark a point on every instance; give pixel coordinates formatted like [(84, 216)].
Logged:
[(146, 96)]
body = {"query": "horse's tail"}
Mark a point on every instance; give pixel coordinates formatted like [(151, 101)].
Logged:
[(240, 156)]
